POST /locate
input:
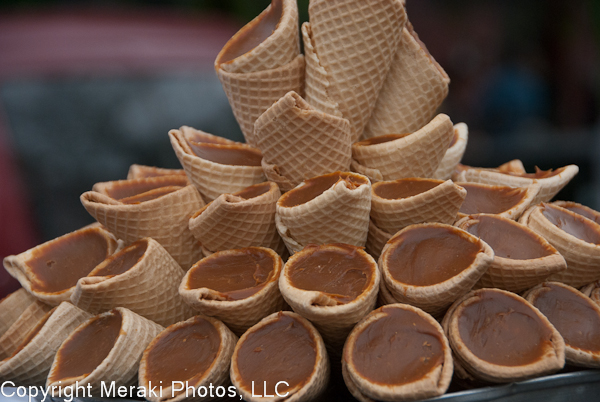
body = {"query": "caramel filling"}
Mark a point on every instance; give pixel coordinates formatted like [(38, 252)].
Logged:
[(503, 330), (127, 190), (572, 314), (583, 211), (87, 348), (234, 275), (148, 172), (122, 261), (382, 139), (36, 330), (282, 350), (183, 354), (316, 186), (150, 195), (426, 256), (233, 155), (399, 348), (253, 34), (57, 266), (404, 188), (507, 238), (490, 200), (254, 191), (539, 174), (572, 223), (339, 271)]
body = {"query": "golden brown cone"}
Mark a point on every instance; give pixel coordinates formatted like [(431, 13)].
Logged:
[(250, 94), (216, 376), (19, 329), (12, 306), (239, 315), (212, 179), (414, 88), (121, 364), (231, 222), (416, 155), (165, 219), (583, 258), (376, 240), (454, 154), (355, 43), (143, 171), (299, 142), (434, 383), (149, 288), (31, 364), (319, 378), (439, 204), (17, 265)]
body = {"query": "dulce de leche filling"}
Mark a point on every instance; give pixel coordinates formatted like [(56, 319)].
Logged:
[(57, 266), (382, 139), (87, 348), (503, 330), (282, 350), (425, 256), (399, 348), (136, 191), (122, 261), (339, 270), (403, 188), (254, 191), (584, 211), (184, 353), (316, 186), (539, 174), (235, 274), (507, 238), (572, 314), (490, 200), (234, 155), (572, 223)]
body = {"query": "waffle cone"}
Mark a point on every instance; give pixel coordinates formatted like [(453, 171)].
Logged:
[(165, 219), (439, 204), (592, 291), (20, 328), (149, 288), (454, 154), (299, 142), (549, 186), (251, 94), (376, 240), (212, 179), (121, 364), (12, 306), (231, 222), (416, 155), (238, 315), (30, 365), (583, 258), (217, 374), (517, 275), (355, 44), (17, 265), (319, 378), (414, 88), (333, 321), (143, 171), (435, 299), (352, 387), (339, 215)]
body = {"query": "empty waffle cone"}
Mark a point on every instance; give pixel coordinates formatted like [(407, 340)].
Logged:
[(242, 307), (522, 258), (165, 219), (196, 352), (51, 270), (321, 285), (12, 306), (142, 277), (210, 178), (339, 214), (417, 201), (426, 247), (582, 257), (299, 142), (414, 88), (376, 240), (454, 154), (592, 291), (404, 155), (21, 327), (411, 357), (143, 171), (118, 338), (242, 219), (551, 182), (575, 316), (356, 44), (30, 363)]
